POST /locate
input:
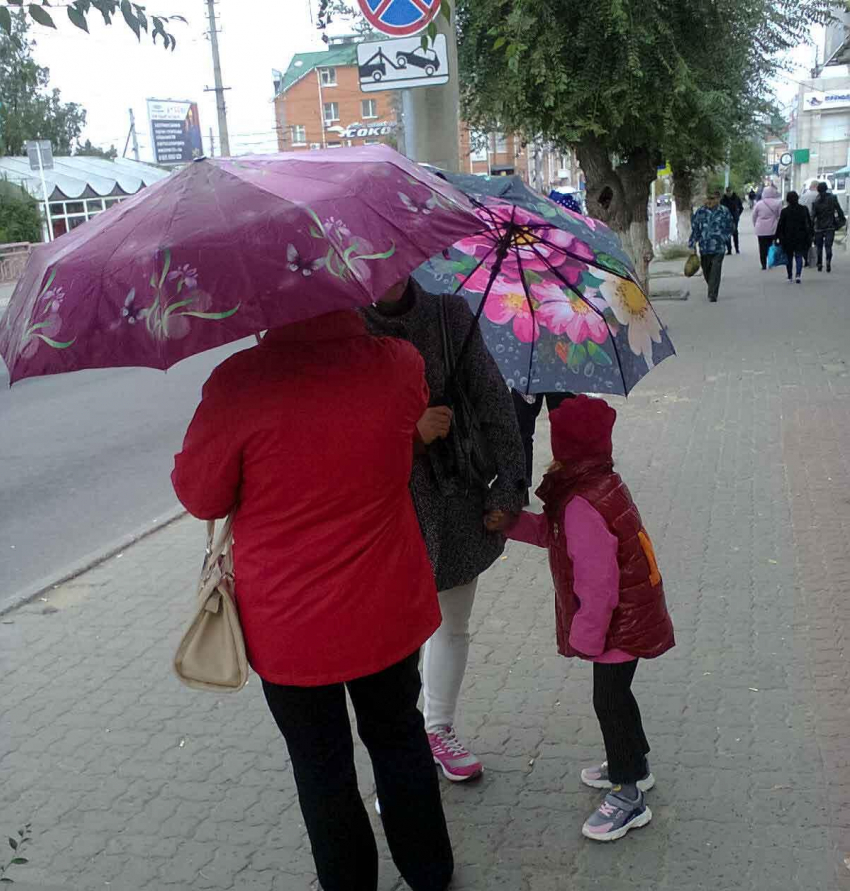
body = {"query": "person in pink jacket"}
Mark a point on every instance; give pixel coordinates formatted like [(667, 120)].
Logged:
[(766, 221), (609, 598)]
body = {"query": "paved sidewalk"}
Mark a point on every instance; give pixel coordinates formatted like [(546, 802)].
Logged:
[(738, 452)]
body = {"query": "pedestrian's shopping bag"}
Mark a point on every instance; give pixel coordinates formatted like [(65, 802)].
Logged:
[(776, 256), (211, 655), (812, 259), (692, 265)]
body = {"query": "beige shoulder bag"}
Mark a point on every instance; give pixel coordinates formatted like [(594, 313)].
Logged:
[(211, 655)]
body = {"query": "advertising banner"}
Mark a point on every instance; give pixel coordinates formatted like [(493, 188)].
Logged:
[(175, 131)]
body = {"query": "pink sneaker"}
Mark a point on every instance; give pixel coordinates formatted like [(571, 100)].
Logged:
[(456, 761)]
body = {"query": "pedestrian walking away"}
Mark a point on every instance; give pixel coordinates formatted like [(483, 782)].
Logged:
[(807, 199), (765, 221), (735, 206), (450, 512), (752, 198), (308, 439), (527, 410), (609, 598), (794, 232), (711, 229), (827, 216)]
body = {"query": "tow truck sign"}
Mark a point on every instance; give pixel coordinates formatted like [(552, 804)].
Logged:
[(402, 63)]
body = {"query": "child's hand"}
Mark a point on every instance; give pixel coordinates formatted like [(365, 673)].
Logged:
[(435, 423), (498, 520)]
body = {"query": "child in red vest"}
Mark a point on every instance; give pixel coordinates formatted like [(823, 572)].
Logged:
[(609, 600)]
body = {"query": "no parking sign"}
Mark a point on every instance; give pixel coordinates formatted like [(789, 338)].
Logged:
[(399, 18)]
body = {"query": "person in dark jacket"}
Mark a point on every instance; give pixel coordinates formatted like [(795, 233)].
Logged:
[(735, 206), (752, 198), (451, 517), (827, 216), (794, 232), (609, 598)]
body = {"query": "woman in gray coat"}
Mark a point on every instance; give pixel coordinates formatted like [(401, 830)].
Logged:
[(452, 519)]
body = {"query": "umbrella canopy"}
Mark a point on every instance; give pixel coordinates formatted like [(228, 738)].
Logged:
[(223, 249), (557, 304)]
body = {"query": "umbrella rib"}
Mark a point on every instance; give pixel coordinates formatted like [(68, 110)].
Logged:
[(599, 312), (531, 309)]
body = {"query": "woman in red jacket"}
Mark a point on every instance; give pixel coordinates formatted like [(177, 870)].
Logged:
[(309, 438)]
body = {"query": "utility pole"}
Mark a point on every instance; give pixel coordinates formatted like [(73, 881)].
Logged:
[(224, 139), (133, 135)]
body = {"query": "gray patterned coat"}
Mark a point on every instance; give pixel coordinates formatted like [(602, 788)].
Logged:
[(452, 524)]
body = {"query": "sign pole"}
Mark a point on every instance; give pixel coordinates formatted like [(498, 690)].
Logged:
[(435, 112), (44, 190)]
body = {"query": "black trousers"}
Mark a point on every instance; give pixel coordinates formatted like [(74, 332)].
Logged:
[(616, 708), (314, 722), (765, 241), (712, 268), (824, 240), (526, 415), (735, 239)]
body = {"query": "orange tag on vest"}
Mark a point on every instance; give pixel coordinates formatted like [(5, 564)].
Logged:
[(649, 551)]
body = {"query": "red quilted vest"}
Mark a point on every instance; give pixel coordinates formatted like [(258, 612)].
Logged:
[(640, 625)]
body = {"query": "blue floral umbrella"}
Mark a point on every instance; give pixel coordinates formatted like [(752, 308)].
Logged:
[(555, 294)]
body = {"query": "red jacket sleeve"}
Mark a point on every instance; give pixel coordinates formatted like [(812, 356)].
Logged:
[(207, 472)]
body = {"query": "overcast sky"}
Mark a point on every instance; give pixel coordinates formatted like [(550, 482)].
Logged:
[(109, 71)]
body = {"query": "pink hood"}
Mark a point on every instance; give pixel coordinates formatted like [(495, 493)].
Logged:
[(766, 212)]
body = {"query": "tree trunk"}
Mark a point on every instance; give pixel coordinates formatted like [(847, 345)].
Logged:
[(619, 197), (683, 195)]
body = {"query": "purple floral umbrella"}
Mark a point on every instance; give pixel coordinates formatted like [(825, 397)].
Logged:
[(558, 311), (223, 249)]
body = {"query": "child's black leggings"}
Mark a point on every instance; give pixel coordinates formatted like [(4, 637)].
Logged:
[(626, 747)]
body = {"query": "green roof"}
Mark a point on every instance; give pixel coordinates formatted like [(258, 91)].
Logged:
[(304, 63)]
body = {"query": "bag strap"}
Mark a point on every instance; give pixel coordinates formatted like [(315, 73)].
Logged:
[(220, 547), (448, 350)]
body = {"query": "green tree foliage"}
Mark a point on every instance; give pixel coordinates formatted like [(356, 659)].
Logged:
[(94, 151), (134, 16), (29, 109), (628, 84), (19, 216)]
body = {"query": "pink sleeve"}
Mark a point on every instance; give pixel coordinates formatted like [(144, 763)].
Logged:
[(530, 528), (596, 575)]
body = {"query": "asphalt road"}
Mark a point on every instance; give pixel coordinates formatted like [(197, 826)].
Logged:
[(85, 460)]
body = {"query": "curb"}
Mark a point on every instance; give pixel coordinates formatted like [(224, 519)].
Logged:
[(19, 598)]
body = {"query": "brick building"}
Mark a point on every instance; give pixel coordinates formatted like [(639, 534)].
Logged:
[(319, 104)]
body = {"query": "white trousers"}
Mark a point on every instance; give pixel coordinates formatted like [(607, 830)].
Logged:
[(446, 652)]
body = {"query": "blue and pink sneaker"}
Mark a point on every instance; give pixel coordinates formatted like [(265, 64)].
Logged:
[(616, 816), (597, 778)]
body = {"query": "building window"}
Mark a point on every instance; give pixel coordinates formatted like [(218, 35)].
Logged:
[(67, 215), (328, 77), (299, 134), (334, 145), (368, 108), (834, 127), (372, 142), (331, 112), (501, 143), (478, 145)]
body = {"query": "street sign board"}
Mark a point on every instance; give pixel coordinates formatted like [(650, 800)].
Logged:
[(175, 131), (785, 159), (399, 18), (40, 154), (402, 63)]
